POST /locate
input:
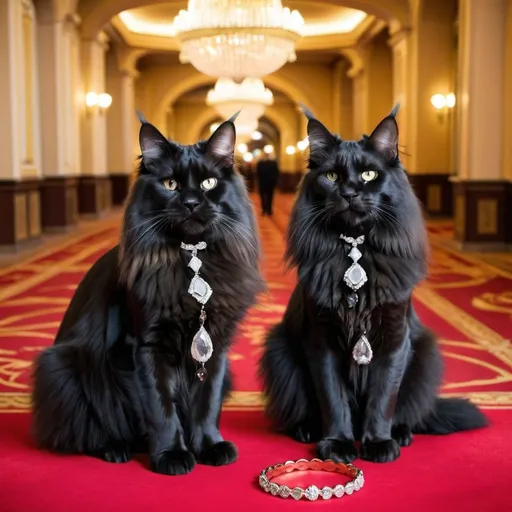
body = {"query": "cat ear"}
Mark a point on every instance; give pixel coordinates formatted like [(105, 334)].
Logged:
[(221, 144), (384, 139), (152, 143), (320, 138)]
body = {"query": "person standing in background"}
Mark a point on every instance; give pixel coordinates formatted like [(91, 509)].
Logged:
[(267, 171)]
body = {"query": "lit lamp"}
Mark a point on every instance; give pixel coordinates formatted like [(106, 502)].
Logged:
[(443, 103), (268, 149), (303, 144), (290, 150), (100, 101)]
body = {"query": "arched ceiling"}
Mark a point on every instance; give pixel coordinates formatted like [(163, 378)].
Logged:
[(337, 18)]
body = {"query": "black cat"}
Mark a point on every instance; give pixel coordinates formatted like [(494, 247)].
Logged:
[(120, 377), (316, 390)]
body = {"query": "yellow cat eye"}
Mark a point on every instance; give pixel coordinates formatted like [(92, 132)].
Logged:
[(209, 183), (331, 176), (170, 184), (369, 175)]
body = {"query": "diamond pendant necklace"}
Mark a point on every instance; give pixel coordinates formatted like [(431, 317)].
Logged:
[(354, 278), (202, 346)]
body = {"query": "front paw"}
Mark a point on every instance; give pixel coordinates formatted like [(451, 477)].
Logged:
[(380, 451), (305, 432), (173, 462), (339, 451), (116, 454), (402, 435), (218, 454)]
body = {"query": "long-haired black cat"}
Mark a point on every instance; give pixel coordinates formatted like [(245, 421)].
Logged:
[(121, 376), (351, 360)]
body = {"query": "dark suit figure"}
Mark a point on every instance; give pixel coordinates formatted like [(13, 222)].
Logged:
[(268, 175)]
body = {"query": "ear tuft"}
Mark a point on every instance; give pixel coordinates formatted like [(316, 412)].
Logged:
[(221, 144), (305, 110), (320, 138), (140, 117), (384, 139), (232, 119), (152, 143)]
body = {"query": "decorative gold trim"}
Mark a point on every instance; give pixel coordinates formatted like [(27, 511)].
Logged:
[(487, 217), (254, 400)]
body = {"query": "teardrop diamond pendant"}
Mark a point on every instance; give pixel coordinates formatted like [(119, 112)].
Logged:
[(362, 352), (202, 346)]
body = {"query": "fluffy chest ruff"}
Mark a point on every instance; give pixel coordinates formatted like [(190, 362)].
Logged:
[(167, 315)]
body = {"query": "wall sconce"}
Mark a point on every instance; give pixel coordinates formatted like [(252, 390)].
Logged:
[(303, 144), (101, 101), (443, 103)]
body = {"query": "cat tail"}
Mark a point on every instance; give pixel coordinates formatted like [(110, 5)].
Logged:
[(286, 400), (452, 415)]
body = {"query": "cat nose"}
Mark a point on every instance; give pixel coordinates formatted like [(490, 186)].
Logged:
[(349, 196), (191, 203)]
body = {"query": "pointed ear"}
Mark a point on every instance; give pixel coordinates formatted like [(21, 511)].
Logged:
[(384, 139), (221, 144), (152, 143), (320, 138)]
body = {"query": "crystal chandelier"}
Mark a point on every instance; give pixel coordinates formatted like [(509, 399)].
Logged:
[(250, 96), (237, 38), (244, 130)]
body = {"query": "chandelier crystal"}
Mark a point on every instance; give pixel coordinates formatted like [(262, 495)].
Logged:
[(250, 97), (237, 38)]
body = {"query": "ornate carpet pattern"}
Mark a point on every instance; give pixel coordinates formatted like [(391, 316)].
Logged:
[(467, 300)]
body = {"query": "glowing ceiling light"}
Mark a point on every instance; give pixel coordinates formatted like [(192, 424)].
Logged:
[(250, 97)]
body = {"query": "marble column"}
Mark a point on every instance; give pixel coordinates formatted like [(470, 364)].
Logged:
[(20, 147), (121, 126), (94, 190), (423, 63), (483, 205), (59, 57)]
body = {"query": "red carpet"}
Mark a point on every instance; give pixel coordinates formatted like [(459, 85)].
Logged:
[(467, 300)]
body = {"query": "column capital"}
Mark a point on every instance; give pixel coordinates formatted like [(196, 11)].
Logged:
[(130, 73), (399, 36), (355, 56), (127, 60), (101, 40), (72, 20)]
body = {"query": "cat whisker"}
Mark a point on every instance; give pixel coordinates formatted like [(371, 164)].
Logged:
[(151, 228)]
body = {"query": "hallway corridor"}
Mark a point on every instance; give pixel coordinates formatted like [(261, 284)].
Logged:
[(467, 300)]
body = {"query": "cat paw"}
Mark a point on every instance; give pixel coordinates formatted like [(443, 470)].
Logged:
[(338, 451), (219, 454), (173, 462), (114, 454), (304, 432), (380, 451), (402, 435)]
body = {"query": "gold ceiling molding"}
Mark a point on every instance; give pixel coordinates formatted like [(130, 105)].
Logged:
[(309, 43), (97, 13)]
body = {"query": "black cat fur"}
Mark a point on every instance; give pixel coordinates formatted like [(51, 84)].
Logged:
[(119, 377), (315, 390)]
